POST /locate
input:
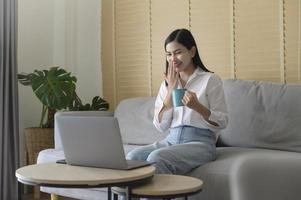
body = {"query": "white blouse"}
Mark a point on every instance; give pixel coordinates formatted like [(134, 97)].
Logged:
[(209, 90)]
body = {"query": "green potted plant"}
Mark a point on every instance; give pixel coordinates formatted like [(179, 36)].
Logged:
[(56, 90)]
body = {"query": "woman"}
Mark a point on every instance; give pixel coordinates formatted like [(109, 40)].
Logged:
[(193, 127)]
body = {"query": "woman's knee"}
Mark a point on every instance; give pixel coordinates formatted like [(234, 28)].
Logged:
[(157, 155), (135, 155), (163, 163), (140, 153)]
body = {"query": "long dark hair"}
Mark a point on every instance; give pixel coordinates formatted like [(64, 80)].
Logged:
[(185, 38)]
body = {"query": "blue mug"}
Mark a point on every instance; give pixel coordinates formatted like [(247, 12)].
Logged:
[(177, 96)]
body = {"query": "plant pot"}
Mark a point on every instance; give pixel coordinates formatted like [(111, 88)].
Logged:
[(36, 140)]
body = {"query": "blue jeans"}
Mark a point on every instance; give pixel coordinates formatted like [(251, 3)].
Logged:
[(184, 149)]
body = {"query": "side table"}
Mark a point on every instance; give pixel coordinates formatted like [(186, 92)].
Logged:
[(68, 176), (164, 186)]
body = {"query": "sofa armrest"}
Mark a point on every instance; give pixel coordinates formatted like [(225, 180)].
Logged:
[(57, 138), (269, 175)]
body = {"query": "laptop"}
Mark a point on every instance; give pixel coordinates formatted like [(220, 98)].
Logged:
[(93, 141)]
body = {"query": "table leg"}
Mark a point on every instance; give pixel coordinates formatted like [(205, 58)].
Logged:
[(36, 192), (128, 195), (109, 193), (54, 197), (115, 196)]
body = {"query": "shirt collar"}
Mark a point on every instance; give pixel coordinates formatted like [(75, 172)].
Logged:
[(198, 71)]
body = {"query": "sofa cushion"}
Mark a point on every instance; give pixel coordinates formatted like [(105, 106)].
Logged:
[(250, 173), (263, 114), (52, 155), (135, 117)]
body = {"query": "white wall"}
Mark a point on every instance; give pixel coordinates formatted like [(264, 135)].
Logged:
[(58, 32), (77, 43)]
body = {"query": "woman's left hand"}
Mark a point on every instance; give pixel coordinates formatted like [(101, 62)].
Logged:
[(191, 100)]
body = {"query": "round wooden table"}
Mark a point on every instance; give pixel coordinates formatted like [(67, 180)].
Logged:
[(68, 176), (164, 186)]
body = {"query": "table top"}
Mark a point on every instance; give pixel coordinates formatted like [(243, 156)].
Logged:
[(166, 185), (53, 174)]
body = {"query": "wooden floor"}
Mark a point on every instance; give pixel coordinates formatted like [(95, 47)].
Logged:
[(44, 196)]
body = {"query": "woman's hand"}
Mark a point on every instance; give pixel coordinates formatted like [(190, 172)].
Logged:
[(171, 77), (191, 100)]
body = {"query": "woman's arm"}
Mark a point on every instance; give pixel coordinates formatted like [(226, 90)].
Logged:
[(190, 100), (171, 78), (216, 114), (217, 102), (167, 104), (162, 112)]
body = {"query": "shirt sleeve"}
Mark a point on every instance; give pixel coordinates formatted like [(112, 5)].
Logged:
[(217, 103), (165, 123)]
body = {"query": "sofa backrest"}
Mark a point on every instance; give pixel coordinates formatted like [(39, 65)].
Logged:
[(135, 117), (263, 114)]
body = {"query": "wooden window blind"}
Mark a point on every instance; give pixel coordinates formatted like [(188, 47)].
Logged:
[(108, 52), (244, 39), (257, 39), (292, 24), (132, 58), (166, 16), (211, 27)]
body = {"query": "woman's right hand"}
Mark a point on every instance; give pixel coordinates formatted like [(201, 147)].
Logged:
[(171, 77)]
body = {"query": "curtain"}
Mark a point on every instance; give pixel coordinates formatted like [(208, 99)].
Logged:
[(9, 130)]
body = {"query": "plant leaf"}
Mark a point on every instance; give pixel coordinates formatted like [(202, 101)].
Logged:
[(97, 104), (54, 88), (25, 79)]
